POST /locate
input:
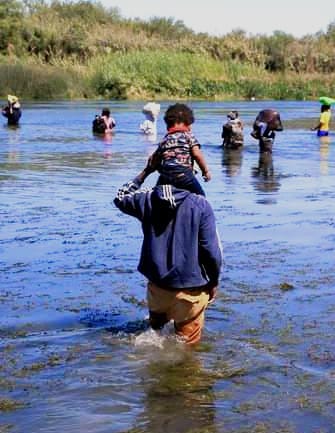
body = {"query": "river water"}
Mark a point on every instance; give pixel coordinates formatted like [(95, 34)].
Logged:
[(75, 351)]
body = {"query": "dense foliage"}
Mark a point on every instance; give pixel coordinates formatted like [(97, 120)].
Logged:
[(81, 49)]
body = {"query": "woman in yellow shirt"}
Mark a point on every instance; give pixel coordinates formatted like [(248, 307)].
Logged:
[(323, 126)]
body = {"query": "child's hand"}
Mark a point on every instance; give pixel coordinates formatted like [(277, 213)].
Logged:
[(151, 163), (206, 176)]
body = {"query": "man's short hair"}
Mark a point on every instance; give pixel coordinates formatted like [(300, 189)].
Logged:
[(178, 113)]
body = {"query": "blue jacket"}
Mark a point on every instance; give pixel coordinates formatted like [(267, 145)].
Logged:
[(180, 248)]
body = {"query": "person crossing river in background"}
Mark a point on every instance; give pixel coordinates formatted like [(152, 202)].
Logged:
[(322, 127), (12, 111)]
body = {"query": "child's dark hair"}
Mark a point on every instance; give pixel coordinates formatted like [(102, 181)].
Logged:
[(105, 112), (178, 113), (325, 107)]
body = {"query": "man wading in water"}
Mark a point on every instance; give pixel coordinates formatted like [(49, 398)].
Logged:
[(180, 256)]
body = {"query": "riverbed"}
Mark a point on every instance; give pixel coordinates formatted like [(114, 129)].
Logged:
[(76, 354)]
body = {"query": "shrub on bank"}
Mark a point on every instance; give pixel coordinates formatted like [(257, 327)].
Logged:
[(161, 75), (37, 82), (165, 74)]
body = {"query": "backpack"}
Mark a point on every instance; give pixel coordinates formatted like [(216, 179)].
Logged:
[(98, 125)]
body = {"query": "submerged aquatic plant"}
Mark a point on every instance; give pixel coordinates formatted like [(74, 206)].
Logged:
[(8, 404)]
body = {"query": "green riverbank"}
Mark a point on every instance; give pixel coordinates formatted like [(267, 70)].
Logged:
[(156, 76), (74, 50)]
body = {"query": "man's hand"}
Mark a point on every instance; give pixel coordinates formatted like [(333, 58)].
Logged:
[(212, 289)]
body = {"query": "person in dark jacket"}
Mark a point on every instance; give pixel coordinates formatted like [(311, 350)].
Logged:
[(181, 255), (266, 123), (12, 111)]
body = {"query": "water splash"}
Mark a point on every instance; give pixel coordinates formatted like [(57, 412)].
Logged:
[(149, 338)]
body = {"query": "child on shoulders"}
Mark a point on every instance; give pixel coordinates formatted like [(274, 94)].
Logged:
[(174, 158)]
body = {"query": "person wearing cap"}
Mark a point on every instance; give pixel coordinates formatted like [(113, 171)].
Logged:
[(232, 131), (12, 111)]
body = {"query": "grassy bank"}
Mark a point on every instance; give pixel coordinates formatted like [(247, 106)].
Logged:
[(39, 82), (78, 49), (171, 75), (159, 75)]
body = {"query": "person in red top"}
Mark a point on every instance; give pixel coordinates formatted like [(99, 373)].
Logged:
[(174, 158)]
